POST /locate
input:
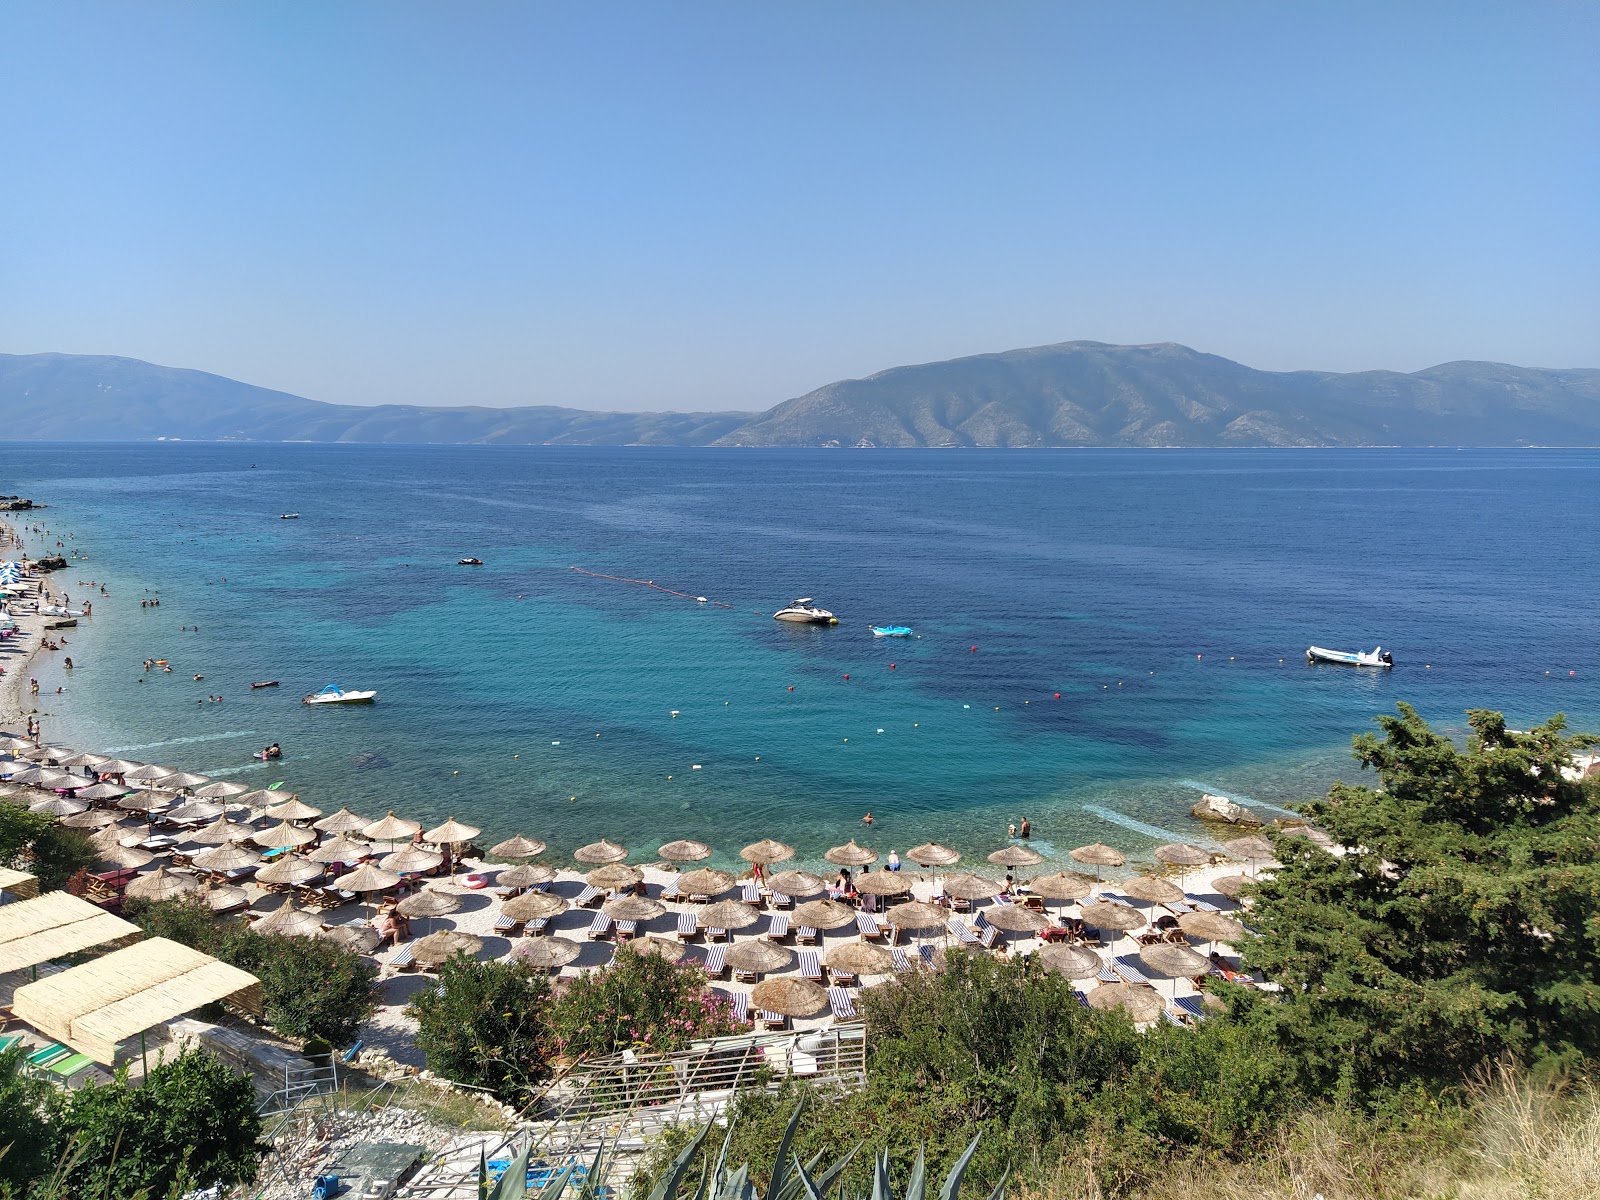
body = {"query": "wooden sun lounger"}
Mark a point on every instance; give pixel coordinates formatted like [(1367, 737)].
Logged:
[(1083, 998), (779, 900), (838, 978), (589, 897), (750, 893), (670, 890), (963, 932), (626, 930), (1192, 1007), (844, 1008), (1129, 967), (925, 951), (1107, 975), (716, 965), (713, 934), (867, 926), (810, 964), (1203, 905), (777, 927), (600, 927), (741, 1005), (772, 1020), (536, 926), (902, 964), (688, 927), (506, 925), (804, 935)]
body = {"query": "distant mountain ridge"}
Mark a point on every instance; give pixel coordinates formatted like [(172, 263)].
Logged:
[(1070, 394)]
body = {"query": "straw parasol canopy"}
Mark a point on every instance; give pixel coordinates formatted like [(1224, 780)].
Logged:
[(452, 832), (1104, 915), (1254, 846), (1211, 927), (973, 887), (182, 781), (1223, 885), (613, 876), (1016, 856), (225, 858), (1152, 890), (95, 818), (365, 878), (102, 791), (1062, 885), (796, 883), (931, 854), (633, 908), (222, 789), (283, 834), (219, 832), (118, 766), (196, 810), (851, 855), (729, 914), (340, 850), (411, 860), (221, 896), (59, 806), (28, 775), (1174, 961), (161, 884), (1075, 962), (123, 856), (823, 914), (685, 851), (758, 956), (111, 835), (1098, 854), (525, 876), (548, 953), (533, 906), (883, 883), (343, 821), (766, 852), (658, 948), (82, 759), (788, 995), (362, 938), (289, 870), (293, 809), (600, 852), (142, 774), (1014, 918), (50, 777), (260, 798), (917, 914), (705, 881), (437, 947), (289, 920), (429, 904), (1141, 1003), (1182, 854), (859, 958), (517, 847), (146, 802), (391, 829)]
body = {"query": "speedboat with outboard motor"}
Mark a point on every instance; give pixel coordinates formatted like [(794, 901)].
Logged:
[(1350, 658), (805, 612), (334, 694)]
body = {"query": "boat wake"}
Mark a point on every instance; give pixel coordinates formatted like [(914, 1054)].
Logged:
[(1126, 822), (183, 741)]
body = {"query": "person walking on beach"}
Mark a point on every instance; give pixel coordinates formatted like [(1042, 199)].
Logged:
[(894, 860)]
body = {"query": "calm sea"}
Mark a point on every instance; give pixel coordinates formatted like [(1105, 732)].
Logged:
[(1101, 635)]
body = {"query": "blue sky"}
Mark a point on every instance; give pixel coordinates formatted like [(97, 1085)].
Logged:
[(720, 205)]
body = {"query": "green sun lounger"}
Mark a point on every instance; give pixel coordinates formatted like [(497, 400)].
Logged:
[(70, 1066), (10, 1040), (51, 1053)]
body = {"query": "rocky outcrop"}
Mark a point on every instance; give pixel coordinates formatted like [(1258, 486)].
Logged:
[(54, 563), (1224, 812)]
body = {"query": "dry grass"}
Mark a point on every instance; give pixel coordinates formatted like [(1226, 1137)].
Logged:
[(1528, 1142)]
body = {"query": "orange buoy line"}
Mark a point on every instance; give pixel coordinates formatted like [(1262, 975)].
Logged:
[(649, 584)]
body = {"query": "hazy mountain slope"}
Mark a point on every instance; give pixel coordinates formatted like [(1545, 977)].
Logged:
[(1072, 394)]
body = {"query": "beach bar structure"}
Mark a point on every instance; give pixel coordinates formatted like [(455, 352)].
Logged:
[(95, 1007), (54, 925), (17, 885)]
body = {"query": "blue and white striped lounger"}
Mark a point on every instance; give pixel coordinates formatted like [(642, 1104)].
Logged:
[(773, 1020), (779, 900), (804, 935), (716, 961), (810, 965), (902, 964), (867, 926), (926, 951), (777, 927), (626, 930), (504, 924), (750, 892), (844, 1008), (741, 1006), (670, 891), (1107, 975), (1171, 1017), (1083, 998), (590, 895), (1130, 968), (536, 926), (600, 927), (1204, 905), (688, 927), (1192, 1007), (713, 934), (401, 959), (963, 932)]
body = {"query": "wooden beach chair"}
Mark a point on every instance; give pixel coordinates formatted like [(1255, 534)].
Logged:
[(926, 953), (839, 978), (713, 934), (1131, 970), (963, 932), (402, 959), (688, 927), (590, 897), (625, 931), (989, 936), (869, 929), (742, 976), (669, 890), (810, 965), (779, 900), (1203, 905), (1192, 1008), (716, 964), (902, 964), (741, 1006), (506, 926), (844, 1008), (1107, 975), (1171, 1016), (750, 892), (804, 935), (772, 1020), (536, 926), (1083, 998), (600, 927), (777, 927)]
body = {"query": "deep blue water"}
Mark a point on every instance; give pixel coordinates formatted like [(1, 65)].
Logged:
[(1167, 596)]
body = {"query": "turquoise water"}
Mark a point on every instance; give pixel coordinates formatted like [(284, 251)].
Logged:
[(1167, 597)]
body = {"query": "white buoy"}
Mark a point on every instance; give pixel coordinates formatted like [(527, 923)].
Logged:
[(694, 767)]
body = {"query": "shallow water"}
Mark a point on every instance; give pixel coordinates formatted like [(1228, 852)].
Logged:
[(1102, 634)]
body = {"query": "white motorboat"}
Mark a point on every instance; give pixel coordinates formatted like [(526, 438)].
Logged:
[(334, 694), (1378, 658), (805, 612), (288, 516)]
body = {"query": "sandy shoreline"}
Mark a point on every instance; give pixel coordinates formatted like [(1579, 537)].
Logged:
[(22, 649)]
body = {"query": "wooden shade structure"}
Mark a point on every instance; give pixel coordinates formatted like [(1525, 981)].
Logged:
[(56, 924)]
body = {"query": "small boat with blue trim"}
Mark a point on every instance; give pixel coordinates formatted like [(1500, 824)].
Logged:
[(334, 694), (1350, 658)]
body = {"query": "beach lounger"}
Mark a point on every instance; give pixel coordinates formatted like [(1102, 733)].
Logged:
[(506, 925), (713, 934), (1192, 1007), (1083, 998), (590, 896), (804, 935), (991, 937), (1107, 975), (46, 1055), (777, 928), (536, 926), (750, 892), (810, 965), (902, 964), (688, 927), (963, 932), (772, 1020), (626, 930), (716, 965), (741, 1006), (600, 927), (670, 891), (1129, 967), (401, 959), (838, 978), (68, 1067), (844, 1008), (926, 953), (779, 900), (1171, 1017), (1204, 905), (867, 926)]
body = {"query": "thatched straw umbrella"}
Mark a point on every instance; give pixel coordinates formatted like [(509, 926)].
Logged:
[(1075, 962), (365, 878), (429, 903), (391, 829), (220, 832), (102, 791), (823, 914), (705, 881), (292, 809), (882, 883), (161, 884), (289, 920), (613, 876), (548, 953), (83, 759), (729, 914), (260, 798), (1143, 1004), (411, 860), (972, 887), (517, 847), (122, 857), (759, 957), (633, 908), (1211, 927), (1174, 961), (796, 883), (525, 876), (145, 774), (917, 914), (1224, 885), (932, 854), (222, 896), (1098, 854), (671, 952), (146, 802), (1062, 885), (1182, 854), (1104, 915), (1016, 856), (341, 849), (289, 871), (118, 766), (1152, 890), (342, 822), (283, 834), (95, 818), (600, 852), (684, 851), (851, 855), (59, 806), (196, 810), (1252, 847), (452, 832), (182, 781), (221, 789), (363, 938), (446, 943), (766, 852), (533, 906), (1014, 918), (788, 995), (229, 857), (859, 958)]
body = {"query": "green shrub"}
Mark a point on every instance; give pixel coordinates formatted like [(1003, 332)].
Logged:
[(28, 1110), (310, 987), (38, 843), (484, 1024), (639, 1001)]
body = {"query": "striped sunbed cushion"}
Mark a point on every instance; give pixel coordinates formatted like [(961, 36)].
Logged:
[(1129, 967), (402, 957), (670, 891), (810, 965), (1083, 998), (537, 925), (867, 925), (804, 933), (688, 925), (926, 952), (844, 1008), (600, 925), (779, 900), (1193, 1006), (777, 927), (1107, 975), (503, 924), (588, 894), (963, 931), (902, 964), (750, 893), (741, 1005), (715, 960), (1204, 905), (626, 929)]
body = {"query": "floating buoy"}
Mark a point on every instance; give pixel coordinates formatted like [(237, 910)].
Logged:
[(695, 767), (791, 687), (455, 772), (1198, 657), (1230, 658), (669, 776), (555, 743), (758, 758), (597, 735), (1027, 701), (847, 739), (847, 675), (974, 650), (880, 731), (916, 724), (674, 714), (891, 666), (516, 756), (966, 706), (1058, 695)]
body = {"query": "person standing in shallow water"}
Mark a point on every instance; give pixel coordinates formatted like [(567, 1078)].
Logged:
[(1027, 828)]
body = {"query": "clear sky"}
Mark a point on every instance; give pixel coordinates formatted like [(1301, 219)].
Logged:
[(717, 205)]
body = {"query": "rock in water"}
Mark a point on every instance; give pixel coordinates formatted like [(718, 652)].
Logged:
[(1223, 811), (370, 760)]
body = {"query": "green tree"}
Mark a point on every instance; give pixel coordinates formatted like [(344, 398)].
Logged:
[(639, 1001), (28, 1108), (38, 843), (485, 1025), (310, 987), (191, 1123), (1461, 921), (187, 919)]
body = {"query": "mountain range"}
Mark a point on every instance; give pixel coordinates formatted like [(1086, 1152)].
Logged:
[(1070, 394)]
